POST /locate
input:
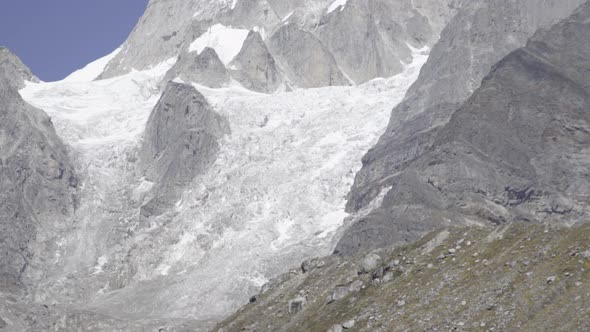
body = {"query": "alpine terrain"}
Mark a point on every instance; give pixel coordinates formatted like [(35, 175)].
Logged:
[(305, 165)]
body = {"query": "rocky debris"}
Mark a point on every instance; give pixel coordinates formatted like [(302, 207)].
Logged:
[(304, 59), (311, 264), (3, 324), (297, 304), (339, 293), (370, 262), (472, 294), (451, 159), (181, 141), (586, 254), (37, 179), (254, 67), (204, 68)]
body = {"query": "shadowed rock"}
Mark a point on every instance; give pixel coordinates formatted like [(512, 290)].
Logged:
[(180, 142), (517, 150), (480, 35)]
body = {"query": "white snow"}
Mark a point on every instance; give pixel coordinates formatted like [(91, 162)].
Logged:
[(336, 4), (227, 42), (91, 70)]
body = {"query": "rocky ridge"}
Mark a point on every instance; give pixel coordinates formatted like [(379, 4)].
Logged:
[(419, 199)]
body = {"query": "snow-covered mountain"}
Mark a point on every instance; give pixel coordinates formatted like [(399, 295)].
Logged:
[(217, 147)]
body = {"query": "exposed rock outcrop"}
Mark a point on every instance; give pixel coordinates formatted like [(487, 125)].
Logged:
[(304, 59), (204, 68), (372, 39), (37, 179), (515, 151), (254, 67), (14, 71), (181, 141)]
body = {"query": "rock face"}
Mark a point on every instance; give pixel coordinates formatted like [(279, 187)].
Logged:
[(36, 177), (203, 68), (372, 38), (515, 151), (180, 142), (254, 67), (304, 59), (14, 72), (360, 40)]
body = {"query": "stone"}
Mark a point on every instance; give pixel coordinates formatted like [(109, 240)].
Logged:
[(338, 293), (348, 324), (297, 304), (311, 264), (369, 263), (335, 328), (355, 286), (3, 323), (551, 279)]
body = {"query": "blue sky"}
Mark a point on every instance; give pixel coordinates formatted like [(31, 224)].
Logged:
[(56, 37)]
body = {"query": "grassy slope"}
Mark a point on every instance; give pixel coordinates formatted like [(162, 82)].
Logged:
[(499, 282)]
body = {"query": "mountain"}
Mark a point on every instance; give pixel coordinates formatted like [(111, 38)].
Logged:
[(216, 149), (350, 41), (14, 71), (480, 35), (38, 180)]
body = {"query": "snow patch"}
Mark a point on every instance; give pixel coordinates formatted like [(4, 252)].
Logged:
[(336, 4), (91, 70), (227, 42)]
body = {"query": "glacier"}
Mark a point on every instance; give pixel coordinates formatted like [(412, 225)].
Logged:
[(274, 197)]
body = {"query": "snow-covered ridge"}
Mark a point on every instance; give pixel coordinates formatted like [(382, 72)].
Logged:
[(227, 42), (91, 70)]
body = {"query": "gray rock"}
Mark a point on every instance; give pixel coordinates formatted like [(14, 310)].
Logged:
[(338, 293), (3, 324), (312, 264), (348, 324), (586, 254), (38, 185), (304, 59), (355, 286), (297, 304), (181, 141), (204, 68), (480, 35), (14, 71), (370, 39), (335, 328), (254, 67), (370, 262)]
